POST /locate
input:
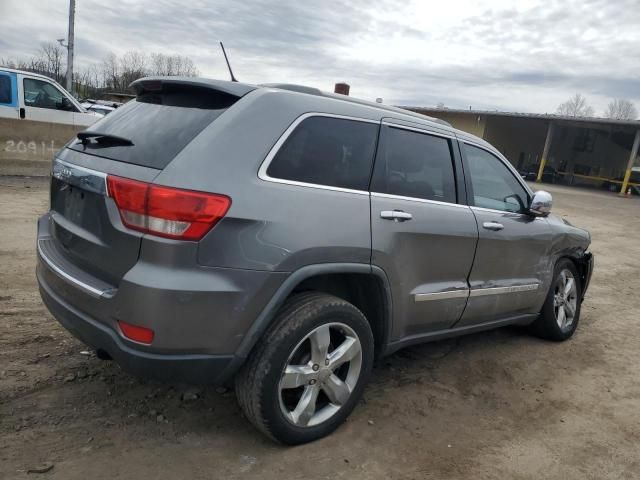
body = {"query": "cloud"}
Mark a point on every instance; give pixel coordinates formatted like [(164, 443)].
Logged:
[(525, 56)]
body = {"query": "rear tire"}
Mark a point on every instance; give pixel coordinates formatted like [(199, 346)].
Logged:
[(560, 313), (308, 372)]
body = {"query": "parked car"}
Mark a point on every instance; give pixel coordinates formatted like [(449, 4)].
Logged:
[(616, 185), (287, 239), (98, 108), (549, 174), (29, 96)]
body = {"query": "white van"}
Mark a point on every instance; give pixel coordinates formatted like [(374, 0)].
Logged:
[(29, 96)]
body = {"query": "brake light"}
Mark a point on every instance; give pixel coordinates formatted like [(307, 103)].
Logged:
[(165, 211), (136, 333)]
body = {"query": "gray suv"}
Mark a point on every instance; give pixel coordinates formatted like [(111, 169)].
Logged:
[(286, 238)]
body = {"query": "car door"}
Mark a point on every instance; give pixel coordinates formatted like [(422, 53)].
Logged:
[(45, 102), (423, 235), (8, 95), (512, 266)]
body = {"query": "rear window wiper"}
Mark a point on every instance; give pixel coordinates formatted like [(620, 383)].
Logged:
[(103, 138)]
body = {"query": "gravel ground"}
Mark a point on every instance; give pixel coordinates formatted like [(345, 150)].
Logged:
[(497, 405)]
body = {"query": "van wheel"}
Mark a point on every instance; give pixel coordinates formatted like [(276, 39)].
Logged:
[(561, 310), (308, 372)]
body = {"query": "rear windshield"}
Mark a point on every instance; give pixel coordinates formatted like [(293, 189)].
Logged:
[(159, 124)]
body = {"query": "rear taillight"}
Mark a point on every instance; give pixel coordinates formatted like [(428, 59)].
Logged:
[(164, 211)]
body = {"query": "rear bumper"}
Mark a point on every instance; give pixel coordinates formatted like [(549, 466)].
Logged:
[(194, 368), (199, 315)]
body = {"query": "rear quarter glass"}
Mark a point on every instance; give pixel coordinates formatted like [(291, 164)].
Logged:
[(160, 125), (327, 151)]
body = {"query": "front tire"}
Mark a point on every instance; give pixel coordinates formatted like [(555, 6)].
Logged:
[(307, 374), (560, 313)]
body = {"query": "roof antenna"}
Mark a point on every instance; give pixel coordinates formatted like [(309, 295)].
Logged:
[(233, 79)]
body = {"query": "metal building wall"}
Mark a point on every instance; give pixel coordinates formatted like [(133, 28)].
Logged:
[(585, 153)]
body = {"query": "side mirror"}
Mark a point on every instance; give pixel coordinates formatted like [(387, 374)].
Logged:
[(66, 105), (541, 204)]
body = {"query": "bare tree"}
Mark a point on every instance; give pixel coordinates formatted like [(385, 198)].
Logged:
[(621, 109), (576, 106), (87, 81), (52, 58), (113, 74), (133, 65), (440, 106), (8, 62), (172, 65), (48, 61)]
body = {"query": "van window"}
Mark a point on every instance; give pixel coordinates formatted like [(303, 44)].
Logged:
[(416, 165), (327, 151), (6, 95), (41, 94)]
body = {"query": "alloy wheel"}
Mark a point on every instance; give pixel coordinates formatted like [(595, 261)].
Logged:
[(320, 374), (565, 299)]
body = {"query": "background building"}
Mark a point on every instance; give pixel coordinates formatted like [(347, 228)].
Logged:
[(595, 152)]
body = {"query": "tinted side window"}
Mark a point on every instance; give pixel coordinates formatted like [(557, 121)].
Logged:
[(5, 90), (417, 165), (327, 151), (494, 186)]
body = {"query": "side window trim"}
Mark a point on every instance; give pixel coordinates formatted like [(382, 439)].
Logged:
[(425, 130), (469, 184), (456, 160), (262, 171), (417, 200), (460, 180)]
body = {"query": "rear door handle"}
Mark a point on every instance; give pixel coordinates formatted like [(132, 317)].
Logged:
[(397, 215), (495, 226)]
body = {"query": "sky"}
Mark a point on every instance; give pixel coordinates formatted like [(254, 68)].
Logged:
[(525, 56)]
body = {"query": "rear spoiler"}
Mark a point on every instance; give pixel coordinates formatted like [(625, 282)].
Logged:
[(155, 84)]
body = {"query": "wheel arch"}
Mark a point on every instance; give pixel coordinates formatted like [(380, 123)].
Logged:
[(584, 266), (352, 280)]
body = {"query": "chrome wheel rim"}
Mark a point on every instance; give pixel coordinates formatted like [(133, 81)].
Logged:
[(565, 299), (320, 375)]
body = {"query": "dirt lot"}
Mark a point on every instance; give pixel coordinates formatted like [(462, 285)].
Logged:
[(494, 405)]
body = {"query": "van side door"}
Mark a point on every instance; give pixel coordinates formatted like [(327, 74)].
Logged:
[(423, 233), (45, 102)]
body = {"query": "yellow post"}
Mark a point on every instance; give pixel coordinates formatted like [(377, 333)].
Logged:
[(545, 151), (632, 159)]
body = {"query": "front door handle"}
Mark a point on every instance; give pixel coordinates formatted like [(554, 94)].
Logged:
[(495, 226), (22, 113), (397, 215)]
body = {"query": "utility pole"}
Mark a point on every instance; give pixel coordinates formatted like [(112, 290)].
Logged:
[(70, 41)]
